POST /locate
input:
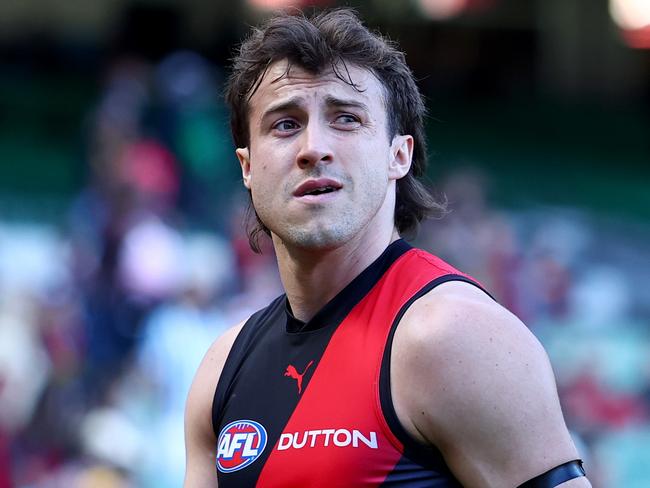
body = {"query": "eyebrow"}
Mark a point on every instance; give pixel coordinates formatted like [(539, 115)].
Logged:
[(286, 105), (332, 101), (296, 102)]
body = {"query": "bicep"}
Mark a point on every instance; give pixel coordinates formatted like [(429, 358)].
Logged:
[(486, 394), (506, 424)]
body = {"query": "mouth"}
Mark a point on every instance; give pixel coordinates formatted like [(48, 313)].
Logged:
[(314, 188)]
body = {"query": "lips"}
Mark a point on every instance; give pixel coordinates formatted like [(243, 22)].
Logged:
[(317, 187)]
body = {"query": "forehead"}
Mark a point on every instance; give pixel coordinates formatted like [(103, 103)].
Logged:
[(283, 82)]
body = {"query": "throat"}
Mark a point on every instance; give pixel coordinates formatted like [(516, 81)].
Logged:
[(313, 277), (311, 285)]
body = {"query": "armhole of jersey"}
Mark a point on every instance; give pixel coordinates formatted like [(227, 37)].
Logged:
[(236, 356), (427, 456)]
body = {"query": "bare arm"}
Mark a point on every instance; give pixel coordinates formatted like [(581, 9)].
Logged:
[(200, 441), (470, 378)]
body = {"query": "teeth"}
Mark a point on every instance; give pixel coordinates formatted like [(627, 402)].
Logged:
[(318, 191)]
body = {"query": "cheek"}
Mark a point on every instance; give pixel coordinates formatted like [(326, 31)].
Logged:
[(271, 164), (270, 158), (375, 167), (259, 170), (266, 181)]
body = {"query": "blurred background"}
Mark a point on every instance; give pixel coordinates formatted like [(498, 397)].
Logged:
[(122, 249)]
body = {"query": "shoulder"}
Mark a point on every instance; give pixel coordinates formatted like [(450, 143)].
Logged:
[(199, 400), (460, 344), (457, 320), (469, 377), (199, 434)]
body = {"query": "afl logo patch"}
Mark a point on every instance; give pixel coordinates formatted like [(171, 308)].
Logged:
[(240, 443)]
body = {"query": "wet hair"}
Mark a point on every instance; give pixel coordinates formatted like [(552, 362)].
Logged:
[(332, 40)]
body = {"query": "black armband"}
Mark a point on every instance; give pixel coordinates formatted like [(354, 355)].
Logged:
[(556, 476)]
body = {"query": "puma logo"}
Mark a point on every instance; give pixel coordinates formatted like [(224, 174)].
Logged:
[(292, 372)]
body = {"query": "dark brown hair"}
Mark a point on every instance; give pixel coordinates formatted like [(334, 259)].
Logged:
[(332, 40)]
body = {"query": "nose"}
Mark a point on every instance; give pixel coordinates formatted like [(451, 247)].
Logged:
[(314, 146)]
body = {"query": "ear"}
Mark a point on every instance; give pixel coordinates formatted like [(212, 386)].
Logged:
[(401, 156), (243, 154)]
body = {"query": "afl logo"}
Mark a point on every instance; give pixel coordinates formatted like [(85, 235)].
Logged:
[(240, 443)]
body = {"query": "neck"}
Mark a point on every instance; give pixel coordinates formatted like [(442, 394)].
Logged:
[(311, 278)]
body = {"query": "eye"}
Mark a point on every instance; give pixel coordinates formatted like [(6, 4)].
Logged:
[(347, 120), (285, 125)]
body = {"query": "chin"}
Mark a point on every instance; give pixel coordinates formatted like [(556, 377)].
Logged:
[(316, 239)]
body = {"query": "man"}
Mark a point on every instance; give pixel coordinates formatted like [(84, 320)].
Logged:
[(382, 365)]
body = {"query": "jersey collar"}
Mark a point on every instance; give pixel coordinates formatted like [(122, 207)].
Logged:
[(340, 306)]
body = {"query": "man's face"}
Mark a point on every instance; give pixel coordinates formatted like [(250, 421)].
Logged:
[(320, 165)]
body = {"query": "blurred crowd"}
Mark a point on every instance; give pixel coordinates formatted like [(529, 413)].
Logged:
[(104, 320)]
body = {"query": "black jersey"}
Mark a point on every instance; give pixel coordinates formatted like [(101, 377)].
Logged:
[(309, 404)]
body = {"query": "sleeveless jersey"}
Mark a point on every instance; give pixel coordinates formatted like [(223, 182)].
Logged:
[(309, 404)]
